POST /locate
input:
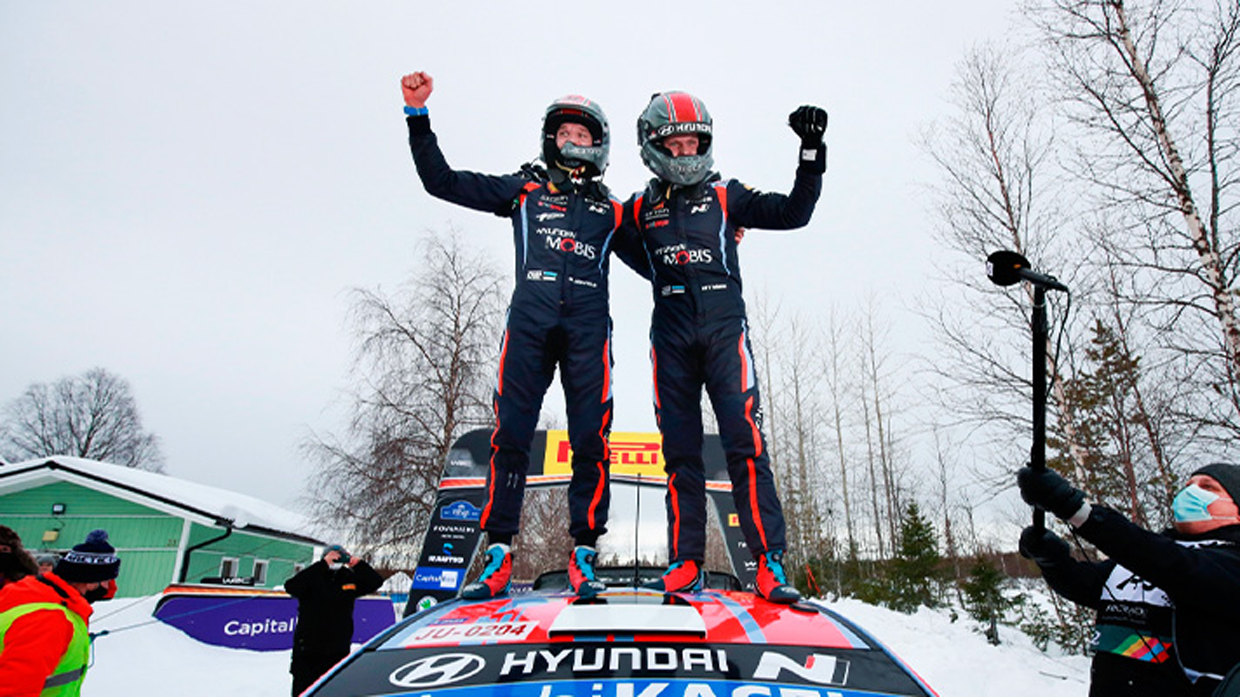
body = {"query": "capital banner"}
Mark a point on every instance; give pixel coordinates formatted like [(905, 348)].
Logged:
[(256, 620)]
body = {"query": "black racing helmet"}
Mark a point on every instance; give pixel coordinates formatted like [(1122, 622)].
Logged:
[(576, 160), (671, 114)]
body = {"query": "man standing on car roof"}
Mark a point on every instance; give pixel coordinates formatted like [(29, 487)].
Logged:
[(564, 225), (687, 218)]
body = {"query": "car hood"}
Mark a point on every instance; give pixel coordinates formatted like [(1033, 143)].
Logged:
[(627, 642)]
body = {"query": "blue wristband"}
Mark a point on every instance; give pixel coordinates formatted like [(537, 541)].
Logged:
[(416, 111)]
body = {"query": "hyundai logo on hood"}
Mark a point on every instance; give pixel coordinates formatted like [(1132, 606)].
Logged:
[(435, 671)]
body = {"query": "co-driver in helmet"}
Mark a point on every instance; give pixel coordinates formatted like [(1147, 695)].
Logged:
[(687, 219), (565, 225)]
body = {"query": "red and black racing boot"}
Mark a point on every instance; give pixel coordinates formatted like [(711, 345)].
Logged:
[(495, 576), (581, 572), (682, 576), (772, 582)]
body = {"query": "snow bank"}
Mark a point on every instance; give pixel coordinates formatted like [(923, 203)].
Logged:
[(958, 662)]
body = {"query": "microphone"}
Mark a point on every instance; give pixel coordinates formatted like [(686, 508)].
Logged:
[(1004, 268)]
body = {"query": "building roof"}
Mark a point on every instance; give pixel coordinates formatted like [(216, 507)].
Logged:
[(200, 503)]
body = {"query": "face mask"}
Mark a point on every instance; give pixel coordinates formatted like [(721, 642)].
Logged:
[(1192, 505), (94, 595), (335, 567)]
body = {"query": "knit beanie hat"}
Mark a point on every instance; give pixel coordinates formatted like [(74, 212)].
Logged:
[(1225, 474), (93, 560)]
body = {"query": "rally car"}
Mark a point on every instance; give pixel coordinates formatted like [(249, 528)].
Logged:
[(626, 642)]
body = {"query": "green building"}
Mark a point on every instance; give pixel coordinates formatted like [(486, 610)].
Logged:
[(165, 530)]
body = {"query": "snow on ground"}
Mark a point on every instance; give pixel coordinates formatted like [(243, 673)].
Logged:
[(155, 659), (957, 662)]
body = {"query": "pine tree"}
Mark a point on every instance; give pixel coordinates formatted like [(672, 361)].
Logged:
[(984, 598), (915, 575), (1122, 468)]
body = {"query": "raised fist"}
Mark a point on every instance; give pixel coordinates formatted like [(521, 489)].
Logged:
[(810, 123), (417, 87)]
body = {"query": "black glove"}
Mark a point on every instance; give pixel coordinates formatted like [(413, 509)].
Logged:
[(810, 123), (1048, 491), (1044, 547)]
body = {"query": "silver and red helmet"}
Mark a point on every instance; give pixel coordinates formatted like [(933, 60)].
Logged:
[(578, 161), (673, 114)]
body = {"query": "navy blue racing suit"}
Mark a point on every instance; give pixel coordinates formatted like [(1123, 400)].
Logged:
[(699, 338), (558, 315)]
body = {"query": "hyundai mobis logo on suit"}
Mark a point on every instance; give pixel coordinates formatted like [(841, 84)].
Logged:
[(566, 241)]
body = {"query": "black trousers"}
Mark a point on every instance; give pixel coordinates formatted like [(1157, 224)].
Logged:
[(308, 667)]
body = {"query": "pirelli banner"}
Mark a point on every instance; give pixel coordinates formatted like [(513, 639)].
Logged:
[(453, 535)]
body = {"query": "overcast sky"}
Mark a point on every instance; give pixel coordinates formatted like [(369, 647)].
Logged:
[(188, 190)]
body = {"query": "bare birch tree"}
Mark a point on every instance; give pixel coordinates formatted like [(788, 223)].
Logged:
[(998, 190), (878, 395), (791, 408), (1152, 88), (839, 393), (424, 366), (801, 439)]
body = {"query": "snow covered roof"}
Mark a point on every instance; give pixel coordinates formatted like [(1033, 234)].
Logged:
[(203, 504)]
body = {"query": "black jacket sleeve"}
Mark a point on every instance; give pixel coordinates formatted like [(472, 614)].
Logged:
[(772, 211), (366, 579), (1197, 575), (482, 192), (308, 581), (1078, 581)]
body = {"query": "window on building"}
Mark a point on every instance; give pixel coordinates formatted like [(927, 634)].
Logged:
[(260, 572), (229, 566)]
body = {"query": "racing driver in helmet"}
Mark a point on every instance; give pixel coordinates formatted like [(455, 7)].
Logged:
[(687, 219), (565, 225)]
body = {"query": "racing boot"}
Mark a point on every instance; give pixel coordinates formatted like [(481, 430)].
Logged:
[(772, 582), (581, 572), (685, 575), (495, 576)]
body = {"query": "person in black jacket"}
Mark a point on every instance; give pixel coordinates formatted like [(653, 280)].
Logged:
[(1167, 611), (325, 592), (565, 226), (687, 219)]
